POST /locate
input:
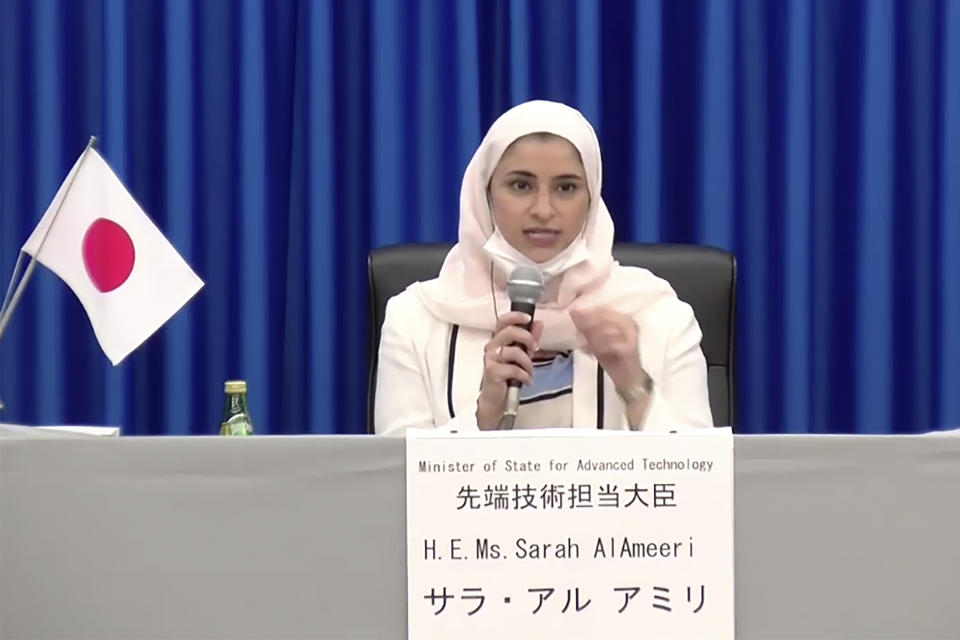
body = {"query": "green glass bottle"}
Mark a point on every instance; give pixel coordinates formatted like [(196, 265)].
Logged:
[(236, 417)]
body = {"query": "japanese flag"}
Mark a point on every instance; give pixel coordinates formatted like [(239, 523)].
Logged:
[(100, 242)]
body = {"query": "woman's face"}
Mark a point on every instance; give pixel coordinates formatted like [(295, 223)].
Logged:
[(539, 196)]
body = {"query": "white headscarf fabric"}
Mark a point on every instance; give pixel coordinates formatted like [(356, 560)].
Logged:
[(462, 292)]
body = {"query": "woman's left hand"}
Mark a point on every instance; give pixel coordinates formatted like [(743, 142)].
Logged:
[(611, 337)]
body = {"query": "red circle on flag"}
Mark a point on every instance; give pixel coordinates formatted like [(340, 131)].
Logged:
[(108, 254)]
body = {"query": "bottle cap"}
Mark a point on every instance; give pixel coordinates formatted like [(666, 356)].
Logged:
[(235, 386)]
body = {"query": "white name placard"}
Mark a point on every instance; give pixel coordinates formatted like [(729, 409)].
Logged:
[(568, 533)]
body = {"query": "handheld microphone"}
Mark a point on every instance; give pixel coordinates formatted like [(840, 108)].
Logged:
[(524, 287)]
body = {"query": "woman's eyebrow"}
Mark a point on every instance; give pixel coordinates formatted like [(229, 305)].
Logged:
[(528, 174)]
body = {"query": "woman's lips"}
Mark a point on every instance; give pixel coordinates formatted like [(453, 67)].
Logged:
[(542, 237)]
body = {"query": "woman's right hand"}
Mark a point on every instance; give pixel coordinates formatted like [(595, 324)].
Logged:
[(506, 357)]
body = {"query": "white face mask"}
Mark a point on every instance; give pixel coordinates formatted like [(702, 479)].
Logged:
[(507, 258)]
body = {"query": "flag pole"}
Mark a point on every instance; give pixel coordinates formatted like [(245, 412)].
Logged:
[(8, 310), (13, 281)]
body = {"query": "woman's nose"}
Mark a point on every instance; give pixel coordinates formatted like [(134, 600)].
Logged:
[(542, 205)]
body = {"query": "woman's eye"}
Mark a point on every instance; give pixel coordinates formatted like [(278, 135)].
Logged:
[(567, 187), (521, 185)]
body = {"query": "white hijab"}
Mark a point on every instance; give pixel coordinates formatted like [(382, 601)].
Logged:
[(590, 276)]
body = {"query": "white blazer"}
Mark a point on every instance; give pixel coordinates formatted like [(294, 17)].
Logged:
[(429, 372)]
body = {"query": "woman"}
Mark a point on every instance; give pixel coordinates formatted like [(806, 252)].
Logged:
[(611, 346)]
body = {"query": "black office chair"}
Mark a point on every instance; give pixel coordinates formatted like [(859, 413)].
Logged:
[(703, 277)]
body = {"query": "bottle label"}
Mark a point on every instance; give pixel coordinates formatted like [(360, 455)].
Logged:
[(237, 425)]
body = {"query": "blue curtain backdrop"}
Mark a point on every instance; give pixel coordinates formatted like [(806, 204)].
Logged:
[(275, 142)]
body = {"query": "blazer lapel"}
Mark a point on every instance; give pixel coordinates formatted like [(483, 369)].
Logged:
[(468, 369), (590, 395)]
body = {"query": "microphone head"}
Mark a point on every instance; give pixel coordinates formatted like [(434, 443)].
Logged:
[(525, 284)]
